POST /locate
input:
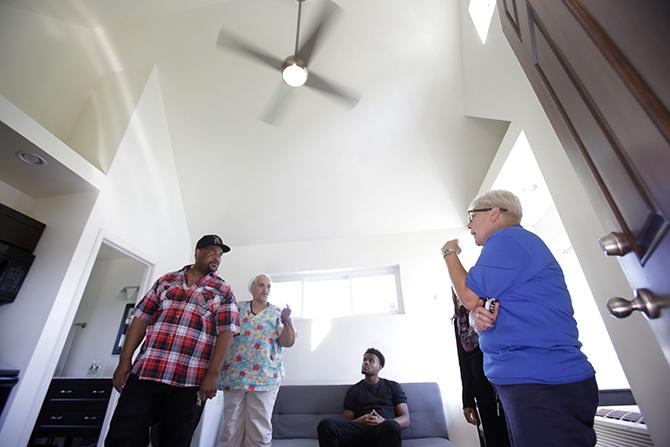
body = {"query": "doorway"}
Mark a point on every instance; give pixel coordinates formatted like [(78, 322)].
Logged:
[(76, 407), (91, 349)]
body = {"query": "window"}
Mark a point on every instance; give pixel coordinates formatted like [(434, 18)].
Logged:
[(339, 293)]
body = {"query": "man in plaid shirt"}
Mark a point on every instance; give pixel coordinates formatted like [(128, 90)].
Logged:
[(189, 318)]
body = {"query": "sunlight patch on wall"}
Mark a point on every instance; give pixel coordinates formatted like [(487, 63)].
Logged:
[(481, 13), (521, 175), (319, 330), (104, 119)]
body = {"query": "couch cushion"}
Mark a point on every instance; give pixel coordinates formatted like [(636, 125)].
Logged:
[(289, 426), (425, 411), (299, 408), (423, 442)]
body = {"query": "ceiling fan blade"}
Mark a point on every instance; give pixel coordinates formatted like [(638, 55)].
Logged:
[(345, 95), (329, 12), (227, 40), (277, 104)]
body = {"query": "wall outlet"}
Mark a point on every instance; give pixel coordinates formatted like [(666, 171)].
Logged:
[(95, 369)]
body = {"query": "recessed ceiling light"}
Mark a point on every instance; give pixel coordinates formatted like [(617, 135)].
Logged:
[(31, 159), (529, 188)]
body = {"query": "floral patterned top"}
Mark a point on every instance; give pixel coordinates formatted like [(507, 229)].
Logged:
[(254, 360)]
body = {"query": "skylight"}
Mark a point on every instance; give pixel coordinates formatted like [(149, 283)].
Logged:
[(481, 13)]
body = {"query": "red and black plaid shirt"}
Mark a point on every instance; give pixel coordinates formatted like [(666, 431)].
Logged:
[(183, 323)]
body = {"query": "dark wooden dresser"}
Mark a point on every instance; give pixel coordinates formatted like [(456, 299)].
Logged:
[(73, 408)]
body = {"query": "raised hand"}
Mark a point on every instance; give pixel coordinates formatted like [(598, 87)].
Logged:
[(285, 314), (451, 245)]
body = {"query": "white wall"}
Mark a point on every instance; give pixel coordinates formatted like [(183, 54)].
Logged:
[(76, 67), (53, 66), (102, 312), (140, 209), (13, 198), (65, 217), (104, 118)]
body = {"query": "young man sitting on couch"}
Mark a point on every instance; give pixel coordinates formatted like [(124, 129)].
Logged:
[(375, 411)]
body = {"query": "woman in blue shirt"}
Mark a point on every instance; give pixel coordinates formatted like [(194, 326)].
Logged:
[(530, 341)]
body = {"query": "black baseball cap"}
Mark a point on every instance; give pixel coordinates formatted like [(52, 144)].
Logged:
[(212, 239)]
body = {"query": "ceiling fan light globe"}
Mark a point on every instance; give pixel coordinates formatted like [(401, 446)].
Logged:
[(294, 75)]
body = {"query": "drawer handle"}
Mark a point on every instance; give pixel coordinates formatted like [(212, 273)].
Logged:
[(99, 391), (90, 418), (55, 418), (65, 391)]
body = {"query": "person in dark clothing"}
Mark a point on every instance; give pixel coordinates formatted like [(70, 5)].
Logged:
[(478, 394), (375, 411)]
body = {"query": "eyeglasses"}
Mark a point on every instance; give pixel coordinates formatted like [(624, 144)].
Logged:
[(471, 213)]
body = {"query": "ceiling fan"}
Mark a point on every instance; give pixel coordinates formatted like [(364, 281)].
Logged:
[(294, 69)]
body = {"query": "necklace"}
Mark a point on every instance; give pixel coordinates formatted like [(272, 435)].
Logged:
[(251, 307)]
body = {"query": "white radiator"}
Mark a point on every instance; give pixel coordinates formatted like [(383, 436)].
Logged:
[(621, 428)]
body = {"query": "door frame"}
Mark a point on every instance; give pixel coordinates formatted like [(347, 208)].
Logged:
[(127, 248)]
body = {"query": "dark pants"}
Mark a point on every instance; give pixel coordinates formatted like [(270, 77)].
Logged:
[(550, 415), (491, 413), (345, 433), (144, 403), (492, 417)]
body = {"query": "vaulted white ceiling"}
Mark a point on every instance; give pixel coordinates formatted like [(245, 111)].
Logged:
[(405, 158)]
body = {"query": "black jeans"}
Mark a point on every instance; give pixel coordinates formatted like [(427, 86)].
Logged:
[(345, 433), (493, 420), (144, 403), (491, 413)]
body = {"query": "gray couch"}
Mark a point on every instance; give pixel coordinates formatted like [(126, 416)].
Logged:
[(299, 408)]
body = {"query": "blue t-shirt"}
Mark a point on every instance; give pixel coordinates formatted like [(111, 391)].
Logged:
[(534, 339)]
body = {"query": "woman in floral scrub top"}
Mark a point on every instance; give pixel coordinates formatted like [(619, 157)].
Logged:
[(253, 369)]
